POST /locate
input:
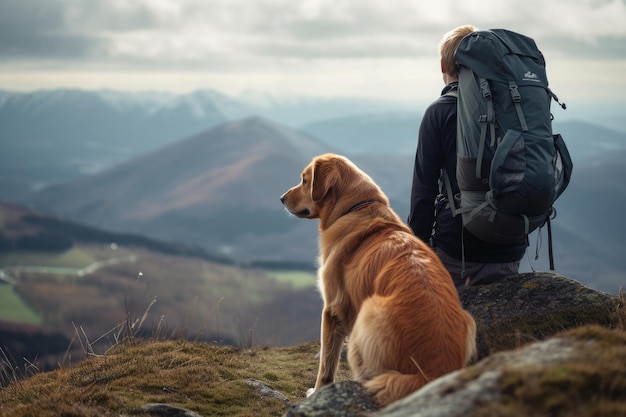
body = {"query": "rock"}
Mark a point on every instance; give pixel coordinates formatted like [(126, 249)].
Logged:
[(265, 390), (341, 399), (523, 308), (579, 373), (164, 410)]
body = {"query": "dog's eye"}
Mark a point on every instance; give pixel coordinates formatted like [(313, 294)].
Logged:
[(303, 181)]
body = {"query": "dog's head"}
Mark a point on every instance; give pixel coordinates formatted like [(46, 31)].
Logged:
[(328, 187)]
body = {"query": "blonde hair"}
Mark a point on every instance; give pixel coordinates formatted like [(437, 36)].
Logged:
[(448, 46)]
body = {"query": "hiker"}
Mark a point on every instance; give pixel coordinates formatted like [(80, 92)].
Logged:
[(469, 260)]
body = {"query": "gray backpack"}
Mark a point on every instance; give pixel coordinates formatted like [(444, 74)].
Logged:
[(510, 166)]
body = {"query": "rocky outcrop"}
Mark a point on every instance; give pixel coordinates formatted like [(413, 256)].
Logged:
[(524, 367), (524, 308), (582, 372), (579, 373)]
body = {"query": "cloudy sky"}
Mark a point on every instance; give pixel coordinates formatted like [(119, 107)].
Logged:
[(372, 48)]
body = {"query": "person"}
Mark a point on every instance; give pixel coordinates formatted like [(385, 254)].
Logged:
[(469, 260)]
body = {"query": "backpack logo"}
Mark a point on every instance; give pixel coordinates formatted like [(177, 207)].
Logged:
[(530, 76)]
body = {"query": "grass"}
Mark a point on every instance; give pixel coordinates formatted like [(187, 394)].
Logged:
[(204, 377), (216, 303), (212, 380), (297, 278), (72, 258), (207, 379), (14, 308)]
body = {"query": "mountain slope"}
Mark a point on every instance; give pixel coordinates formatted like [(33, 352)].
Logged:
[(65, 273), (389, 132), (52, 136), (211, 189), (593, 205), (58, 135)]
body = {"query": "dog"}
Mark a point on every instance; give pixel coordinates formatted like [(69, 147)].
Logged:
[(384, 290)]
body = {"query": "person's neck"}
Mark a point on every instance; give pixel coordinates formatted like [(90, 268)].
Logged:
[(447, 78)]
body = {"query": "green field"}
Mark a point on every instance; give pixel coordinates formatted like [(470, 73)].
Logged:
[(73, 258), (13, 308), (298, 279)]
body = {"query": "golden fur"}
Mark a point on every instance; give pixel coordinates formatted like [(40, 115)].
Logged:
[(381, 286)]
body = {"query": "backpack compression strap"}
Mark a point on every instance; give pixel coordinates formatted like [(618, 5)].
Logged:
[(517, 99), (485, 119)]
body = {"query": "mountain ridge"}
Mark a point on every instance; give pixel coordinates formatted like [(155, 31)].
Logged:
[(225, 196), (188, 186)]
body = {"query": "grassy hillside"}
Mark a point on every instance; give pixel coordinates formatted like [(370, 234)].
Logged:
[(89, 290), (225, 381), (206, 301), (210, 380)]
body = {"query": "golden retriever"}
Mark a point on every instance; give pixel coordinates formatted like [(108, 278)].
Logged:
[(381, 286)]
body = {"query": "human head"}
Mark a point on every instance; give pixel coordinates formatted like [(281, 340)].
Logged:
[(447, 47)]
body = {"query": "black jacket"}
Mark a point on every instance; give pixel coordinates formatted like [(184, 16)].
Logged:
[(430, 216)]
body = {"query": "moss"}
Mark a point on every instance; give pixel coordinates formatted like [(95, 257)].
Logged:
[(530, 285), (530, 328), (592, 382)]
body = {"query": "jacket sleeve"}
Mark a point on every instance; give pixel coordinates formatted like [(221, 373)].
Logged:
[(429, 160)]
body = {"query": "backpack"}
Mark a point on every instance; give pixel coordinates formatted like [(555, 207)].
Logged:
[(510, 166)]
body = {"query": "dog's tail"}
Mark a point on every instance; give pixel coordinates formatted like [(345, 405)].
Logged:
[(392, 385)]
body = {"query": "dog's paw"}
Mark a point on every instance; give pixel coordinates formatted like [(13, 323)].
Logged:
[(310, 392)]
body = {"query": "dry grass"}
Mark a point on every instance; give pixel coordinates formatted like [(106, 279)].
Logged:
[(196, 300), (620, 311), (211, 379), (204, 378)]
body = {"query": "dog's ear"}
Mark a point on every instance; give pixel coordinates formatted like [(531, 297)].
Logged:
[(321, 178)]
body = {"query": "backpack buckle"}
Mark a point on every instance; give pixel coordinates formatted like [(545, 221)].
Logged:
[(485, 90), (517, 98)]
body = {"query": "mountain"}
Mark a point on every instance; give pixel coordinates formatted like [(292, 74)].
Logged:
[(53, 136), (587, 141), (593, 205), (28, 230), (221, 192), (369, 132), (218, 189), (59, 135)]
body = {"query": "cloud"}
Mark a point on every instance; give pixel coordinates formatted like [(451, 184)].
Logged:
[(368, 47), (203, 32), (38, 29)]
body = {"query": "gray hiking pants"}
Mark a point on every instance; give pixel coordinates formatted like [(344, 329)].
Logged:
[(476, 273)]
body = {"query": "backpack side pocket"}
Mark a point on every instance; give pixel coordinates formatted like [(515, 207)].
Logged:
[(522, 174), (563, 166)]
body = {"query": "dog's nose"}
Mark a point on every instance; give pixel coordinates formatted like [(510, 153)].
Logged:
[(282, 198)]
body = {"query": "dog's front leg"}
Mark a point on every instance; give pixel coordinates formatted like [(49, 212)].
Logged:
[(332, 338)]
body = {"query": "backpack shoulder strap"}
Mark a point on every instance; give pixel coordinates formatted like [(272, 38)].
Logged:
[(446, 179), (448, 185)]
